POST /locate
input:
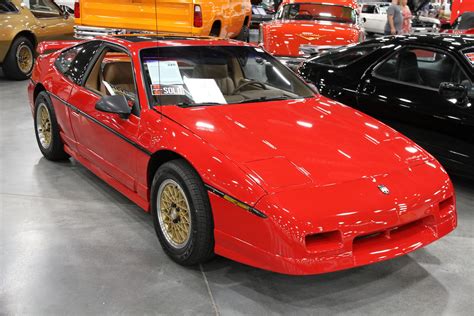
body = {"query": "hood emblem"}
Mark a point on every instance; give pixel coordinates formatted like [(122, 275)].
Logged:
[(311, 37), (383, 189)]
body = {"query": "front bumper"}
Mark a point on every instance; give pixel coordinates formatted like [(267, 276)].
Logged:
[(315, 230)]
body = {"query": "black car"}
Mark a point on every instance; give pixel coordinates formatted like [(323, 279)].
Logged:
[(421, 85)]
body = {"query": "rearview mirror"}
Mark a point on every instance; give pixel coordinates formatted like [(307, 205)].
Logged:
[(117, 104), (454, 92)]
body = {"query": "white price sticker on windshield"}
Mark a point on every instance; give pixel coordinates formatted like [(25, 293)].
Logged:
[(164, 72), (204, 90)]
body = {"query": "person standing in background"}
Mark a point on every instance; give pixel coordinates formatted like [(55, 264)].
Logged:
[(406, 14), (394, 19)]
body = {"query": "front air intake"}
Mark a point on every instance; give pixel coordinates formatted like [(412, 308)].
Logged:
[(324, 241)]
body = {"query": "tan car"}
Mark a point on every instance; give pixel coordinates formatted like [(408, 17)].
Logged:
[(25, 23)]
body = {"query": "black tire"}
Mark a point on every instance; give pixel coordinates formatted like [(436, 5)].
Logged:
[(244, 34), (54, 149), (199, 246), (11, 67)]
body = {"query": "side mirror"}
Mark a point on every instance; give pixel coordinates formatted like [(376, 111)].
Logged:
[(455, 93), (117, 104)]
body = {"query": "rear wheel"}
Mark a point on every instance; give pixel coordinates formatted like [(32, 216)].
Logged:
[(47, 129), (19, 61), (182, 213)]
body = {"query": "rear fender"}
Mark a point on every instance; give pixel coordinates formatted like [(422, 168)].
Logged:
[(52, 46)]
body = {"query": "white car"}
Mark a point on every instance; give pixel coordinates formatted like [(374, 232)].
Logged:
[(374, 16)]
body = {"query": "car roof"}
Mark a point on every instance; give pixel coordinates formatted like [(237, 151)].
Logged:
[(140, 41), (347, 3), (446, 41)]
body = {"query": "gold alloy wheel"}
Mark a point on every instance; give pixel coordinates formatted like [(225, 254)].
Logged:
[(174, 214), (43, 125), (24, 58)]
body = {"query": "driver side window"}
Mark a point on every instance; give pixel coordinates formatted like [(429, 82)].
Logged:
[(424, 67), (112, 74)]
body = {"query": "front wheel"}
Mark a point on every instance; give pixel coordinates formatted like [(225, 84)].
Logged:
[(182, 213)]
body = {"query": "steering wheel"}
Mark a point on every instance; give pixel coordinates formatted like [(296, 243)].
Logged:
[(248, 83), (304, 12)]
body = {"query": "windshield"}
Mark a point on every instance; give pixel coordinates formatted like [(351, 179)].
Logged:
[(316, 11), (465, 21), (205, 75)]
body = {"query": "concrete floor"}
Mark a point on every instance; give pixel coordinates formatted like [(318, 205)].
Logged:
[(72, 245)]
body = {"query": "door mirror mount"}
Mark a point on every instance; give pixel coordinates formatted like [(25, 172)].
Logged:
[(455, 93), (117, 104)]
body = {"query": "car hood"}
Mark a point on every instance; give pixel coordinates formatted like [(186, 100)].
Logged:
[(283, 38), (313, 141)]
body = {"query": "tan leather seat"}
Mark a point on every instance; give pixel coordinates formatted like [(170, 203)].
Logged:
[(219, 73), (118, 74)]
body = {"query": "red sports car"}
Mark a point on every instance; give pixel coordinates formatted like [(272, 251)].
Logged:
[(234, 154)]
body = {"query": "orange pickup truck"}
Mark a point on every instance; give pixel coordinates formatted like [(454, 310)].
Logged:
[(223, 18)]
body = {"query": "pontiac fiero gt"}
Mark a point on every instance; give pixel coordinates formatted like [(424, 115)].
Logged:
[(233, 154)]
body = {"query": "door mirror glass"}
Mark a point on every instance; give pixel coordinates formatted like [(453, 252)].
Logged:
[(117, 104), (454, 93)]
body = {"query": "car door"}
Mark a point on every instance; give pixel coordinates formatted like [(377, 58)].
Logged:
[(403, 91), (52, 24), (70, 66), (367, 16), (106, 140)]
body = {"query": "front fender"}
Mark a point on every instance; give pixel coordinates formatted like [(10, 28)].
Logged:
[(215, 169)]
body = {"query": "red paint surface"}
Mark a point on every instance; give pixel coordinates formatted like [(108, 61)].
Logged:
[(312, 166)]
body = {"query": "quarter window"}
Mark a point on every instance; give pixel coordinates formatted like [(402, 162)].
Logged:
[(73, 62), (6, 6), (43, 8), (423, 67)]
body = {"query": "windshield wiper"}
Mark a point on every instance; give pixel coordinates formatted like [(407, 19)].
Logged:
[(265, 99), (188, 105)]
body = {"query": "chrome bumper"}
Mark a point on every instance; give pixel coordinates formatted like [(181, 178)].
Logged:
[(291, 62), (88, 32), (306, 52), (311, 50)]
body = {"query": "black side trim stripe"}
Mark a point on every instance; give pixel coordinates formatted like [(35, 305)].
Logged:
[(235, 201), (93, 119)]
